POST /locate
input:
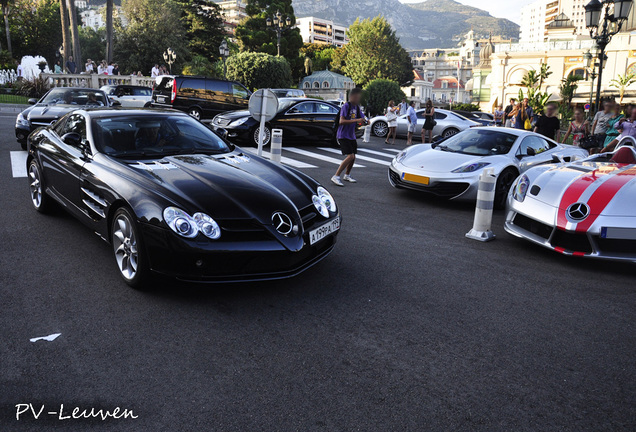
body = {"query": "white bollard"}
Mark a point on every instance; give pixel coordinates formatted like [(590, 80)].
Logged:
[(483, 211), (276, 150), (367, 134)]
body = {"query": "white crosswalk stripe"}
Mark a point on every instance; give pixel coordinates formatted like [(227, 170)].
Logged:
[(377, 153), (18, 163), (394, 150), (318, 156), (364, 158), (285, 160)]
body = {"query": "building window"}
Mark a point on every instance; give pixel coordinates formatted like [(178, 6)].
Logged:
[(325, 84), (306, 85), (578, 72), (412, 92), (316, 85)]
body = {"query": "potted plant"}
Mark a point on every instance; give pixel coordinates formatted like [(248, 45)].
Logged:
[(42, 65)]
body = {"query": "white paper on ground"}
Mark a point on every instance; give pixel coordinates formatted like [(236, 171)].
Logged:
[(49, 338)]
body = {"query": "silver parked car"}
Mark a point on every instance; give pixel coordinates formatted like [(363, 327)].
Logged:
[(448, 124)]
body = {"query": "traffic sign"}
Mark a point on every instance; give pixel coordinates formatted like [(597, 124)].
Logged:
[(586, 107), (263, 107)]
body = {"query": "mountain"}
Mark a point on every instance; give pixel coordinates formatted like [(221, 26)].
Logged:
[(431, 24)]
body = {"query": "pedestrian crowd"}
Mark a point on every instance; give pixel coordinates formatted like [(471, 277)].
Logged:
[(102, 68)]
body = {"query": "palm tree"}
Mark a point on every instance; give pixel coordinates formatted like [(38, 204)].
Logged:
[(6, 8), (530, 80), (77, 52), (621, 83), (544, 73), (65, 35), (109, 30)]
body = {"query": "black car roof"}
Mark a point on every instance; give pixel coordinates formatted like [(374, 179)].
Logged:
[(99, 112)]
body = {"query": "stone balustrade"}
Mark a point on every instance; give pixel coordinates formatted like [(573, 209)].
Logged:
[(94, 80)]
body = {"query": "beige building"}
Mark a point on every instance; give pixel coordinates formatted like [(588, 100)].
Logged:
[(233, 12), (322, 31), (537, 16), (564, 52)]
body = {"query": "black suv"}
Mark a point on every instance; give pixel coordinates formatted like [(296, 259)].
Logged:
[(201, 97)]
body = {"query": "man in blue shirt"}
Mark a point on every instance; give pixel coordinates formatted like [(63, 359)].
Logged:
[(71, 67), (351, 115), (411, 116)]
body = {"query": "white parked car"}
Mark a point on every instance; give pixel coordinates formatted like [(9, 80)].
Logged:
[(448, 124), (129, 96), (451, 168)]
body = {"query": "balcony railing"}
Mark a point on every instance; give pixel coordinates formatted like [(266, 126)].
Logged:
[(95, 81), (545, 46)]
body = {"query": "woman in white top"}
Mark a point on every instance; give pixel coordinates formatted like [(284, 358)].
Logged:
[(391, 119)]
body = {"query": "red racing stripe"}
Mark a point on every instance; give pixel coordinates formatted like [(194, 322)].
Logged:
[(604, 195), (573, 193)]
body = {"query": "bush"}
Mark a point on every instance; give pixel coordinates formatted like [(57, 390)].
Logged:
[(7, 61), (466, 107), (199, 65), (33, 88), (259, 70), (378, 93)]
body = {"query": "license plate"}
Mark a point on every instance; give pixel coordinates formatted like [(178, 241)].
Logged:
[(416, 178), (161, 99), (324, 231), (618, 233)]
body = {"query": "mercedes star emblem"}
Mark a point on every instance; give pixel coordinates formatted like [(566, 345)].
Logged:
[(282, 223), (578, 211)]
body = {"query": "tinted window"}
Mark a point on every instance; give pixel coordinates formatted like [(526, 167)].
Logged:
[(323, 108), (439, 116), (303, 108), (537, 144), (142, 92), (239, 91), (165, 84), (218, 87), (192, 85), (63, 96)]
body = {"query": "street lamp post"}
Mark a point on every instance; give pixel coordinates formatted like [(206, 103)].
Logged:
[(278, 25), (169, 57), (225, 52), (604, 19), (591, 65)]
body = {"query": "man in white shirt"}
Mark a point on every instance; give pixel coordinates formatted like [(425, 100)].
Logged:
[(19, 71), (89, 66), (110, 68), (155, 71)]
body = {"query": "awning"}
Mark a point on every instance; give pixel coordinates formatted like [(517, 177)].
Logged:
[(469, 85), (555, 97)]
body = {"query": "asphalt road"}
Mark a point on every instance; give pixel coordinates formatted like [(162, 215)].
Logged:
[(407, 326)]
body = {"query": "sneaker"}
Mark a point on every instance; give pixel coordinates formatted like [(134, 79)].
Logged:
[(349, 179), (336, 180)]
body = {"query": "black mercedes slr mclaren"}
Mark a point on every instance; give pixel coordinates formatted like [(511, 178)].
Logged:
[(174, 198)]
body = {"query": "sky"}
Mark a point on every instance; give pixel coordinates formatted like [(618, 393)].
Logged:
[(510, 9)]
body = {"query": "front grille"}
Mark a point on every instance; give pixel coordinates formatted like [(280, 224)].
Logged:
[(535, 227), (442, 189), (243, 230), (575, 242), (308, 216), (616, 246)]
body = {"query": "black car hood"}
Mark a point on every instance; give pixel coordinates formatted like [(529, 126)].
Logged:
[(235, 115), (231, 186), (48, 112)]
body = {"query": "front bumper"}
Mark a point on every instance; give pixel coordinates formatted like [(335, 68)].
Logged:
[(263, 258), (451, 186), (22, 132), (590, 244), (240, 133)]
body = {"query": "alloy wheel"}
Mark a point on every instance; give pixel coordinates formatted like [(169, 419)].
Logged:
[(125, 247), (380, 129), (35, 185), (450, 132), (266, 138)]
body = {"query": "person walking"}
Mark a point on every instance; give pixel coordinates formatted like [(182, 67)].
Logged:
[(71, 67), (429, 122), (391, 120), (548, 123), (404, 107), (612, 125), (578, 128), (507, 111), (411, 116), (499, 116), (351, 115), (523, 118), (600, 123)]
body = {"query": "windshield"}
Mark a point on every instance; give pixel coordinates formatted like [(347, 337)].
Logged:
[(84, 97), (479, 142), (285, 104), (155, 136)]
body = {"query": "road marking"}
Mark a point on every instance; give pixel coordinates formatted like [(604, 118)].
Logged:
[(319, 156), (49, 338), (364, 158), (392, 150), (377, 153), (18, 163), (284, 160)]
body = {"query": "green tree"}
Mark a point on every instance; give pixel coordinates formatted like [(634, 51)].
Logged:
[(35, 26), (153, 26), (199, 65), (203, 24), (374, 51), (6, 9), (259, 70), (92, 43), (379, 92), (621, 83), (321, 55), (566, 91), (253, 34), (533, 81)]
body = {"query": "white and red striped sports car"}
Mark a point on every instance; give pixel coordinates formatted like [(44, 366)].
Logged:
[(585, 208)]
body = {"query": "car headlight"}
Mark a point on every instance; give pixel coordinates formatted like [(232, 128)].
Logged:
[(470, 167), (21, 121), (190, 226), (324, 202), (239, 121), (520, 189), (401, 156)]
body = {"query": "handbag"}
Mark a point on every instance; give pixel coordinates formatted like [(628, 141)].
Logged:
[(390, 116), (588, 142), (527, 125)]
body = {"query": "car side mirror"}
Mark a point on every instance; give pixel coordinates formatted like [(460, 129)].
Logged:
[(115, 103), (223, 133), (32, 101), (530, 152), (73, 139)]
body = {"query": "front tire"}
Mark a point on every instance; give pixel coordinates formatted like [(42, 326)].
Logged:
[(127, 247), (267, 136), (380, 129), (40, 200), (195, 112), (502, 187)]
